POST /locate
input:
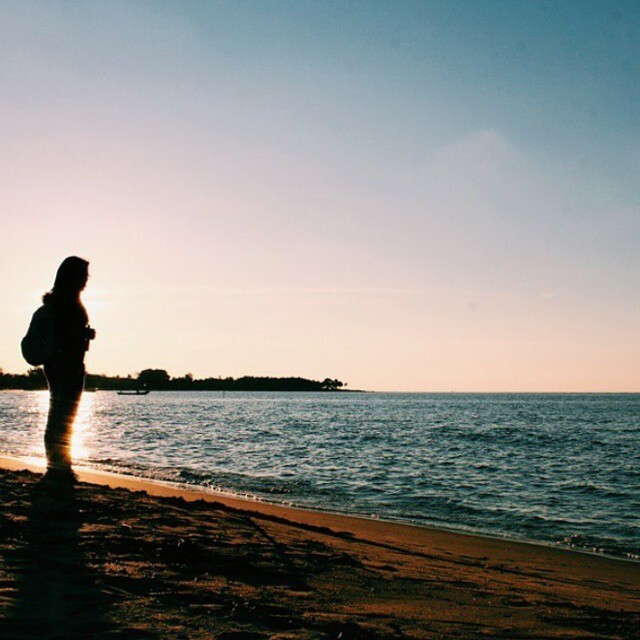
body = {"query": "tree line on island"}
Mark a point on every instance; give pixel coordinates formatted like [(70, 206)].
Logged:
[(160, 380)]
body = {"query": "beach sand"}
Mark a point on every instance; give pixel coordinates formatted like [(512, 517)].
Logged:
[(119, 557)]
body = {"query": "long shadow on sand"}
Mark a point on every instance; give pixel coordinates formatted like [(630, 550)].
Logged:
[(57, 596)]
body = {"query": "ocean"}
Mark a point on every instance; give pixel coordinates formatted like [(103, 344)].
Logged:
[(560, 469)]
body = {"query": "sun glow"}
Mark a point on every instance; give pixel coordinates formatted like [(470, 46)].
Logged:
[(81, 428), (94, 302)]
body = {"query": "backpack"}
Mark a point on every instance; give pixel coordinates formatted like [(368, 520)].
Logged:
[(39, 345)]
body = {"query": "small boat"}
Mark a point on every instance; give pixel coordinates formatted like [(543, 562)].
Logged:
[(136, 392)]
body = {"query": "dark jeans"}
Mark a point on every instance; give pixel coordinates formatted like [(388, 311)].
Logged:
[(66, 381)]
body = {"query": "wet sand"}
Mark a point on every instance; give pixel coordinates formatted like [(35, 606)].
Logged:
[(120, 557)]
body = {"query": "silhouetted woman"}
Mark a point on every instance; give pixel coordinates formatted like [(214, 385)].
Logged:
[(65, 370)]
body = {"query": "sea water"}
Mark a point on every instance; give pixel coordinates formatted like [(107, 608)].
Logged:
[(555, 468)]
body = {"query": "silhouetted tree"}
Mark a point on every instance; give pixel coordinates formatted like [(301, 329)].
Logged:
[(331, 385), (154, 379)]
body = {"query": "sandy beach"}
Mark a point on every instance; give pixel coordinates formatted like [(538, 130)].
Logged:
[(120, 557)]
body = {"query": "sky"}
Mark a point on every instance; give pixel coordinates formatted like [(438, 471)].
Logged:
[(407, 196)]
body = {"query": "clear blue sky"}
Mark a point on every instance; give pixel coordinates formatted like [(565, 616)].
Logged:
[(405, 195)]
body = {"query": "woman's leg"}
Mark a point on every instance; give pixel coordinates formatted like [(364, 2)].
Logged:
[(65, 391)]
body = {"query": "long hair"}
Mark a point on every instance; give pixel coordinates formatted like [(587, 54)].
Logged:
[(71, 279)]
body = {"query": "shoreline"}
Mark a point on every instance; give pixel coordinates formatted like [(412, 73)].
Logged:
[(247, 504), (125, 557), (167, 488)]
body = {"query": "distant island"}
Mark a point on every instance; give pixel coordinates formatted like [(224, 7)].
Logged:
[(160, 380)]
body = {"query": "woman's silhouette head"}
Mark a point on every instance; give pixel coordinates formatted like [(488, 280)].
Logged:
[(71, 279)]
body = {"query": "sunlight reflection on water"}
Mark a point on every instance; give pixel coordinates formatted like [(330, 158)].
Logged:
[(82, 429), (38, 410)]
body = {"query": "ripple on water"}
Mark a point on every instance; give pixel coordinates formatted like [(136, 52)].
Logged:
[(545, 467)]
